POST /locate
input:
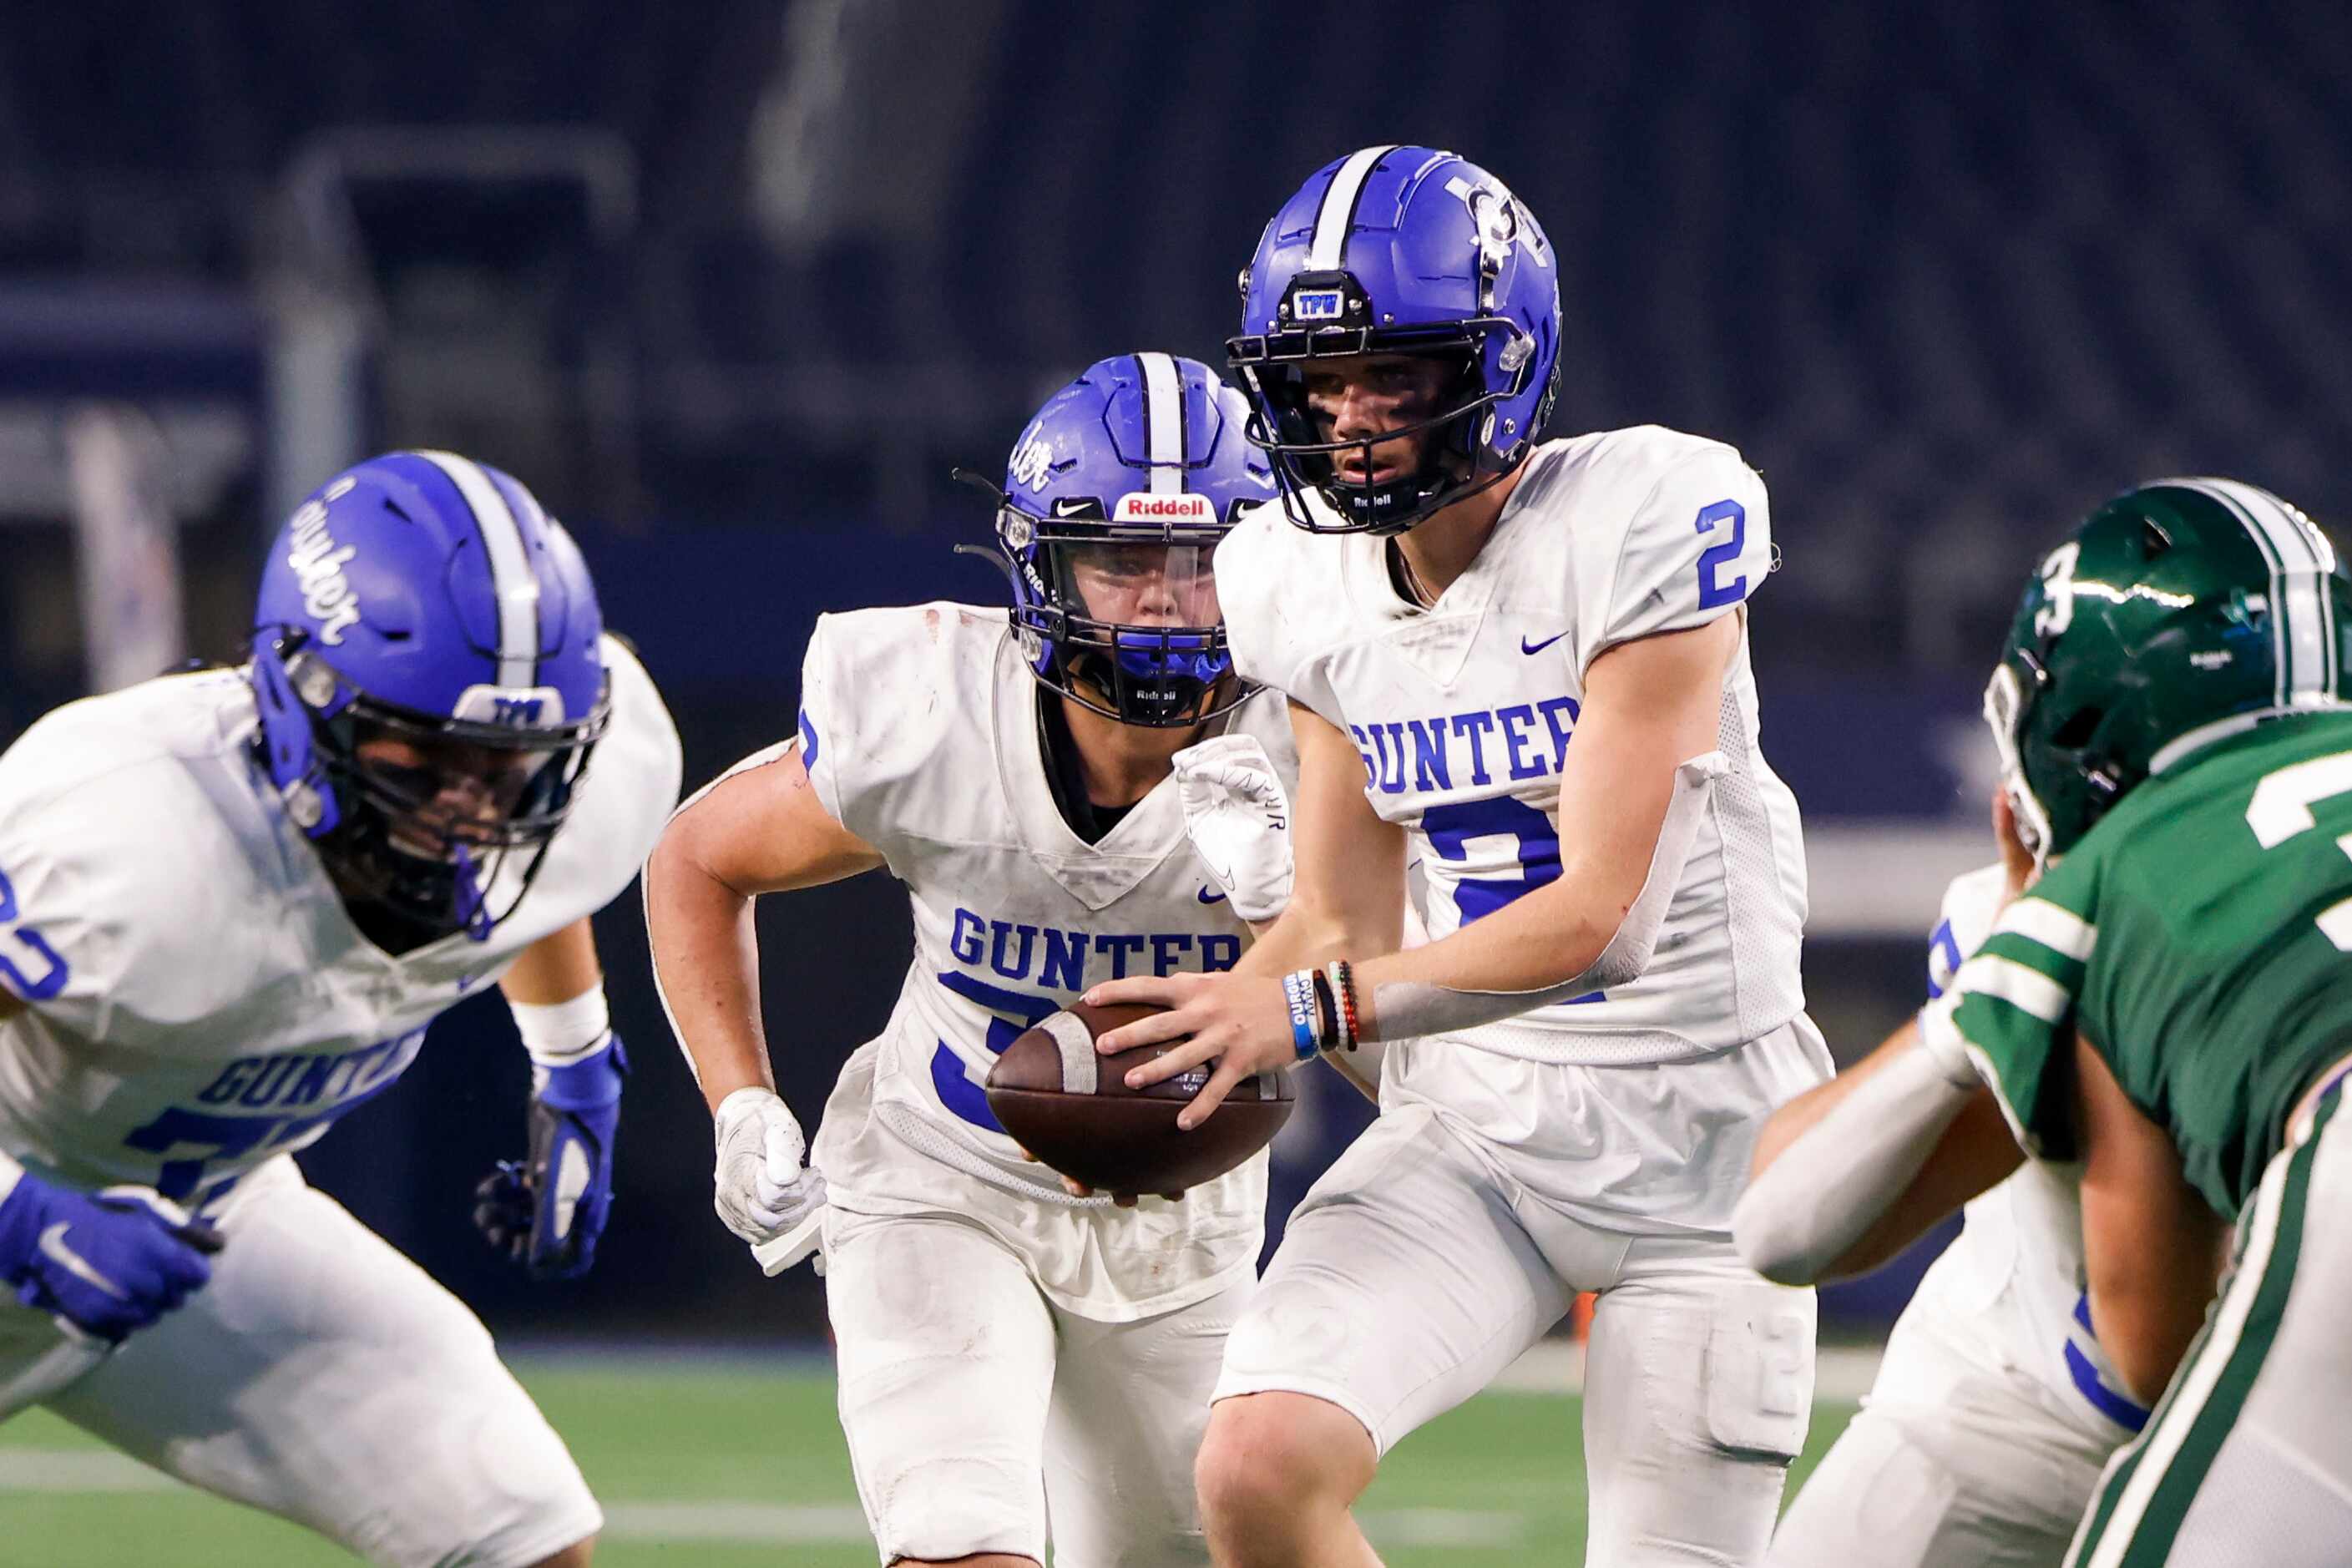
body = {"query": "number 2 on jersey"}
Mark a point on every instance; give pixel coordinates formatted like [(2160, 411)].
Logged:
[(31, 987), (1535, 846), (1711, 561)]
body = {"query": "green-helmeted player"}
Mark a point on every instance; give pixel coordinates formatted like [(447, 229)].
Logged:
[(2165, 1013)]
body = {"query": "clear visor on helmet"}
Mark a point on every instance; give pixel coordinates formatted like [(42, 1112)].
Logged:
[(1127, 617), (1155, 586)]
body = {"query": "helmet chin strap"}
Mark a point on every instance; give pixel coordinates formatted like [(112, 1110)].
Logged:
[(378, 882), (473, 900)]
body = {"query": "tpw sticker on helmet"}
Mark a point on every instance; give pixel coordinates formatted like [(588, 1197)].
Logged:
[(1319, 304), (319, 566), (1139, 507), (512, 707)]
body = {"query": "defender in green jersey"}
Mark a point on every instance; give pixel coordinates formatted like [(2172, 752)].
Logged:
[(2166, 1011)]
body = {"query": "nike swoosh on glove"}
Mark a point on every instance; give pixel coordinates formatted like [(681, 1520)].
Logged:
[(106, 1265), (1238, 819), (546, 1212), (760, 1188)]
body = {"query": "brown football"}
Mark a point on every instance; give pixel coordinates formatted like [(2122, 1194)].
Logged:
[(1070, 1106)]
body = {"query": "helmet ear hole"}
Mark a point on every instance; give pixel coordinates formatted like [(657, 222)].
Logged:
[(2076, 731)]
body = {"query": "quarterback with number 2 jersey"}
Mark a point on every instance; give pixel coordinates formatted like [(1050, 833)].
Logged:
[(1583, 1130)]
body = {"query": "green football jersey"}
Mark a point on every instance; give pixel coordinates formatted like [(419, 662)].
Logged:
[(2200, 938)]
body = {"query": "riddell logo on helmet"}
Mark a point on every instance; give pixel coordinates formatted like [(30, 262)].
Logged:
[(1138, 507), (318, 567)]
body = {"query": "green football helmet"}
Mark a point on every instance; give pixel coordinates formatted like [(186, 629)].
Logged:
[(2178, 612)]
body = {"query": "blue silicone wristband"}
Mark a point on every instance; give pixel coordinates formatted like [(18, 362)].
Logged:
[(1299, 989)]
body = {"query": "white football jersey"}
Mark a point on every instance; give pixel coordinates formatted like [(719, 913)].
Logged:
[(2009, 1293), (920, 726), (201, 1000), (1463, 713)]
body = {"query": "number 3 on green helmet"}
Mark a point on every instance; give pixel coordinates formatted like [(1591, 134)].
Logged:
[(2177, 613)]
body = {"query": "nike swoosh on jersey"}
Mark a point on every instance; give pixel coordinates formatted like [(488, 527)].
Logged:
[(1207, 897), (1526, 646), (54, 1247)]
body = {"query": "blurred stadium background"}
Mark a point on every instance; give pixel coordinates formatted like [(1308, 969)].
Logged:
[(733, 284)]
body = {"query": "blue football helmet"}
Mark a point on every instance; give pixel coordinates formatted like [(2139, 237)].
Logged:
[(1114, 500), (426, 663), (1400, 250)]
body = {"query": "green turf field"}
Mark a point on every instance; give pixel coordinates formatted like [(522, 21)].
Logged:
[(722, 1467)]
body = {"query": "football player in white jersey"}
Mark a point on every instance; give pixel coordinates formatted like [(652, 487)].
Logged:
[(1982, 1440), (1011, 1354), (231, 903), (1526, 664)]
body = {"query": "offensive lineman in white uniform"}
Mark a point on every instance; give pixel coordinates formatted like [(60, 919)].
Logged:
[(1982, 1439), (1009, 1353), (1611, 1002), (231, 903)]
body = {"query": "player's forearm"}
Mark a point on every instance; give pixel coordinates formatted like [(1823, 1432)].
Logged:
[(1546, 947), (1795, 1118), (706, 956), (1499, 968), (1593, 927), (1808, 1212), (556, 990), (1309, 935), (555, 969)]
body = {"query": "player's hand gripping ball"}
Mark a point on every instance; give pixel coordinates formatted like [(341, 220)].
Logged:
[(1071, 1108)]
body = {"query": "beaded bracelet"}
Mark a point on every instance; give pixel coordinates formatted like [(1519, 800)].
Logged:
[(1346, 1032)]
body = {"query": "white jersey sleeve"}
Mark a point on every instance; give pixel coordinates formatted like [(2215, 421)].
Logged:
[(1266, 585), (880, 689), (107, 911), (1696, 543)]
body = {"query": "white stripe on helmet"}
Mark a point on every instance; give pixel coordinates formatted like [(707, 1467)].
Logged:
[(2312, 605), (2302, 609), (1163, 423), (1336, 214), (512, 580)]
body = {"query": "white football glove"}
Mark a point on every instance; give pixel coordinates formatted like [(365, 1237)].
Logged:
[(761, 1187), (1239, 821)]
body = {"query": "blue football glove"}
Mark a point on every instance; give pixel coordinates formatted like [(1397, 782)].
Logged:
[(546, 1212), (104, 1265)]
